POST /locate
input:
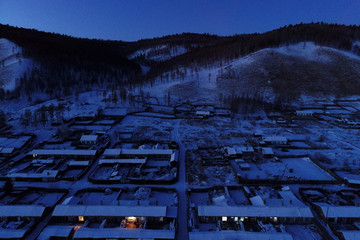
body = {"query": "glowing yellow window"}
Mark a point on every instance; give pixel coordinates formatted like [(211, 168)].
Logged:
[(81, 218), (224, 219)]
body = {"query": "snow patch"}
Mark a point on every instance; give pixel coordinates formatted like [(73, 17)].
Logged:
[(159, 53), (12, 64)]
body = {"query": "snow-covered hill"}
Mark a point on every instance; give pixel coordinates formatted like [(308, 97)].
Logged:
[(298, 70), (12, 64)]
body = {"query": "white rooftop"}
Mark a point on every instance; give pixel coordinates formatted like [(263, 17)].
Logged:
[(123, 233), (7, 150), (78, 163), (110, 210), (12, 233), (330, 211), (57, 152), (55, 231), (205, 113), (43, 174), (112, 151), (239, 235), (274, 139), (21, 211), (257, 201), (305, 112), (254, 211), (88, 138), (351, 234), (147, 151), (267, 151), (123, 161)]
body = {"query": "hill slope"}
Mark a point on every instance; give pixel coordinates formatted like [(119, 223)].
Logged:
[(286, 72), (12, 64), (67, 65)]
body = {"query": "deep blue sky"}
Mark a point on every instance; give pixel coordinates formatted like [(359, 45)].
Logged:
[(135, 19)]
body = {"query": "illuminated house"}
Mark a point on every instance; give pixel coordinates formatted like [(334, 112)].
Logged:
[(114, 221)]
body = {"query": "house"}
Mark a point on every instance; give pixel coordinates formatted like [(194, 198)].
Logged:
[(267, 214), (244, 151), (267, 152), (304, 113), (89, 139), (202, 114), (237, 235), (230, 152), (6, 151), (244, 166), (338, 214), (18, 220), (73, 153), (142, 153), (275, 140), (44, 176), (135, 222)]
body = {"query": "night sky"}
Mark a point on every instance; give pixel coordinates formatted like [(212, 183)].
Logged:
[(136, 19)]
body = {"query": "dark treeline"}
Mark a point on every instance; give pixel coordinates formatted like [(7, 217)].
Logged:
[(66, 65)]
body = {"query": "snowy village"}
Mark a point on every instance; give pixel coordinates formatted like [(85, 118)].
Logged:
[(187, 136)]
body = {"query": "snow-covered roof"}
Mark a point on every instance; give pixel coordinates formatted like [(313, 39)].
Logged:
[(56, 152), (123, 161), (239, 235), (88, 138), (147, 151), (330, 211), (245, 149), (139, 151), (244, 165), (112, 152), (123, 233), (14, 142), (290, 199), (274, 139), (202, 113), (21, 211), (43, 174), (7, 150), (12, 233), (267, 151), (55, 231), (42, 161), (230, 150), (103, 210), (257, 201), (304, 112), (350, 234), (119, 112), (78, 163), (254, 211)]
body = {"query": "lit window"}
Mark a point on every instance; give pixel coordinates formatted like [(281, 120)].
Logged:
[(81, 218), (131, 219), (77, 227), (275, 219), (224, 219), (236, 219), (242, 219)]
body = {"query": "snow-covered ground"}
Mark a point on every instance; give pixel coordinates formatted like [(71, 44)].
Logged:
[(12, 64), (203, 85), (159, 53)]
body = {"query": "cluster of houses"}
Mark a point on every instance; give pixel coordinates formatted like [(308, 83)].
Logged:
[(114, 214), (231, 212)]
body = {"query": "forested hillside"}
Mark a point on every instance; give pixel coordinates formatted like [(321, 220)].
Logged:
[(68, 65)]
